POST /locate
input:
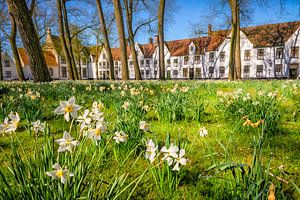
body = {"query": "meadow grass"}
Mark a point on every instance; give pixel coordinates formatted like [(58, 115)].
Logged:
[(177, 108)]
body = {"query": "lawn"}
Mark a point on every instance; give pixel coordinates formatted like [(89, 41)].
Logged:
[(150, 140)]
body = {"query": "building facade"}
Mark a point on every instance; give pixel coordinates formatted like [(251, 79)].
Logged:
[(268, 51), (8, 68)]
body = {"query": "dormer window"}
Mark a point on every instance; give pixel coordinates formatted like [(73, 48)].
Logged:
[(6, 63), (191, 48), (104, 56)]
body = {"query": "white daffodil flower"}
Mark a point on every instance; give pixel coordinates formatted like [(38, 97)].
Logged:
[(126, 105), (4, 126), (144, 126), (203, 132), (96, 113), (59, 173), (151, 150), (37, 126), (97, 132), (68, 108), (66, 143), (180, 160), (120, 136), (84, 120), (170, 153), (12, 125)]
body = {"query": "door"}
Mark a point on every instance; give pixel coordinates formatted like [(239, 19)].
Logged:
[(294, 71)]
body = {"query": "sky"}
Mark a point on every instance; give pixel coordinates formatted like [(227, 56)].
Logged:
[(190, 11)]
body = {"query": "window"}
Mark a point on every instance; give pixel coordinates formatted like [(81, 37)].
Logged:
[(246, 71), (64, 72), (168, 61), (84, 73), (210, 72), (278, 70), (50, 71), (147, 73), (222, 71), (130, 62), (222, 56), (142, 73), (148, 62), (295, 52), (63, 60), (175, 62), (191, 48), (211, 57), (103, 56), (155, 73), (7, 74), (260, 54), (116, 64), (104, 65), (185, 72), (247, 55), (279, 53), (6, 63), (259, 70), (186, 60), (142, 62), (175, 73), (197, 59), (198, 73)]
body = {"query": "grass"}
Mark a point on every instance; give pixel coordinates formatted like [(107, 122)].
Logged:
[(227, 140)]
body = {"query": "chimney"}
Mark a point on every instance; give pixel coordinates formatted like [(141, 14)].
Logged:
[(150, 40), (209, 31), (156, 39)]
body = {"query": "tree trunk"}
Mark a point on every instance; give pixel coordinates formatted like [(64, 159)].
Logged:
[(63, 41), (129, 10), (122, 41), (233, 5), (1, 67), (238, 64), (161, 13), (67, 36), (13, 44), (19, 10), (106, 41)]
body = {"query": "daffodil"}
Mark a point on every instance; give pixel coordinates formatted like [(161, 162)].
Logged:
[(180, 160), (84, 120), (126, 105), (170, 153), (37, 126), (120, 136), (203, 132), (144, 126), (151, 150), (59, 173), (66, 143), (68, 108), (97, 132)]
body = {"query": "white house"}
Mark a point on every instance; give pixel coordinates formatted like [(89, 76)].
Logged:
[(267, 51), (8, 68)]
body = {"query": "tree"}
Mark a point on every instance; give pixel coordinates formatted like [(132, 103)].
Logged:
[(63, 41), (68, 38), (20, 12), (129, 14), (105, 40), (161, 12), (122, 41)]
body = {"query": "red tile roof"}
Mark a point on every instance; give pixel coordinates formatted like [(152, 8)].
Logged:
[(49, 57), (271, 34), (148, 49)]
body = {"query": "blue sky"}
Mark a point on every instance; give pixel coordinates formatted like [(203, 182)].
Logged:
[(190, 11)]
